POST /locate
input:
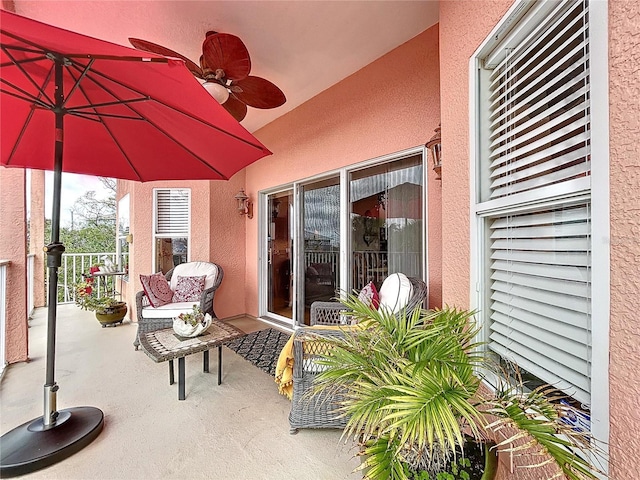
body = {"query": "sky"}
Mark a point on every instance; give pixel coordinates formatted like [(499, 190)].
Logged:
[(73, 187)]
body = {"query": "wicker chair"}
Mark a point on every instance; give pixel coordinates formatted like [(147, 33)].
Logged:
[(146, 324), (319, 411)]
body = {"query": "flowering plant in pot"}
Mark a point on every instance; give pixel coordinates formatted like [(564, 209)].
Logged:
[(410, 386), (108, 310)]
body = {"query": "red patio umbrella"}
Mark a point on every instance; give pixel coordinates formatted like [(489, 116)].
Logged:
[(78, 104)]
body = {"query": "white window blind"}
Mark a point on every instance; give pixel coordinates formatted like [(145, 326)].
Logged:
[(541, 295), (172, 212), (539, 106), (539, 249)]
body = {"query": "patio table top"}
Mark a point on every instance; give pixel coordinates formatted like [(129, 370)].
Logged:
[(165, 344)]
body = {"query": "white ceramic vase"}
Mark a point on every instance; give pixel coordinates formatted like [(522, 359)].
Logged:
[(185, 329)]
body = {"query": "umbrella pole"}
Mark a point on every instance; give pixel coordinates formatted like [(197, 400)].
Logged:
[(57, 434), (54, 253)]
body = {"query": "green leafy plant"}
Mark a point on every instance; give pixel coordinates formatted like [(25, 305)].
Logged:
[(87, 299), (410, 387), (458, 470), (193, 318)]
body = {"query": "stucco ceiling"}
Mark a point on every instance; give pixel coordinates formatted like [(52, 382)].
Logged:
[(302, 46)]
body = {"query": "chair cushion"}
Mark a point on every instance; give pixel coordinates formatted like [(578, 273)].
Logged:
[(369, 295), (395, 292), (170, 310), (195, 269), (157, 289), (189, 289)]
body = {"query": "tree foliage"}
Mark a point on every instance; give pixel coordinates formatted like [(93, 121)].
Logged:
[(93, 226)]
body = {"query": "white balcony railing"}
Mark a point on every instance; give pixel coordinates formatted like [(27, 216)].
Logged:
[(369, 265), (70, 273)]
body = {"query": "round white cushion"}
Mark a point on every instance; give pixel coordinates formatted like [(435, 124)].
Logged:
[(395, 292)]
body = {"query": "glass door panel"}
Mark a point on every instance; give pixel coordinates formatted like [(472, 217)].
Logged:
[(279, 259), (386, 221), (320, 244)]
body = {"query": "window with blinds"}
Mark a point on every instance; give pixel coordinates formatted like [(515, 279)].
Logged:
[(539, 108), (535, 198), (172, 211), (541, 295), (171, 227)]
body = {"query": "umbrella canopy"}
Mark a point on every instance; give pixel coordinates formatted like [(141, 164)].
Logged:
[(77, 104), (128, 114)]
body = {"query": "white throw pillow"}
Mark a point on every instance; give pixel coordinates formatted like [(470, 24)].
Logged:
[(395, 292)]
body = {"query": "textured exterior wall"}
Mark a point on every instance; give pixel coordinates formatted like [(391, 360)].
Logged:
[(227, 245), (217, 235), (13, 221), (464, 24), (624, 115), (36, 237), (388, 106)]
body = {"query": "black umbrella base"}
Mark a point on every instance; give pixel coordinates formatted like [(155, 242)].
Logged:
[(30, 447)]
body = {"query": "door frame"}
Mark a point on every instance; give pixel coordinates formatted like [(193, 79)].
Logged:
[(263, 253)]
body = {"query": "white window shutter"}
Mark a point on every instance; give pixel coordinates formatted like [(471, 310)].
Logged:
[(539, 257), (172, 212), (541, 295), (539, 112)]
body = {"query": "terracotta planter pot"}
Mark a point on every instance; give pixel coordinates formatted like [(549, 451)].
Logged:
[(111, 316), (483, 453)]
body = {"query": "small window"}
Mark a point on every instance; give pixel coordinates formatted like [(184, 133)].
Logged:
[(171, 228)]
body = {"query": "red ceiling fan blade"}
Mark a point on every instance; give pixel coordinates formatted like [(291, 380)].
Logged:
[(160, 50), (236, 108), (225, 51), (258, 92)]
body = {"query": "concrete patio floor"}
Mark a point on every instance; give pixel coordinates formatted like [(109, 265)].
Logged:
[(237, 430)]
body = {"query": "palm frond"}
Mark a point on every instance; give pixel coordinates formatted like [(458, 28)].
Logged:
[(532, 414), (409, 382)]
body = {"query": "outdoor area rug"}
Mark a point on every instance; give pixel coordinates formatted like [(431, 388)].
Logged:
[(261, 348)]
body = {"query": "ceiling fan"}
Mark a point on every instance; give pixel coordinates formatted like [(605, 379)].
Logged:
[(224, 72)]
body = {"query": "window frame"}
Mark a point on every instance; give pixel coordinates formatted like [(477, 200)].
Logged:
[(123, 236), (154, 226), (512, 26)]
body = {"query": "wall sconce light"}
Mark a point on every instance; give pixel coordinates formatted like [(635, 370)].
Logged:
[(245, 207), (129, 238), (435, 147)]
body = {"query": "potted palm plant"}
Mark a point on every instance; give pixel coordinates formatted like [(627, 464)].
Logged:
[(410, 386), (108, 310)]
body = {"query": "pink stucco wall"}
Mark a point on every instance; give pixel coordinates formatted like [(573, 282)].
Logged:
[(227, 246), (624, 115), (464, 24), (388, 106), (217, 235), (36, 236), (13, 248)]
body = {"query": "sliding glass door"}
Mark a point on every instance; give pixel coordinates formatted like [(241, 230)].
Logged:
[(339, 232), (279, 259), (319, 260), (386, 221)]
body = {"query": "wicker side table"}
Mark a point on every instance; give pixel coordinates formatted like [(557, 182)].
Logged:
[(164, 345)]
